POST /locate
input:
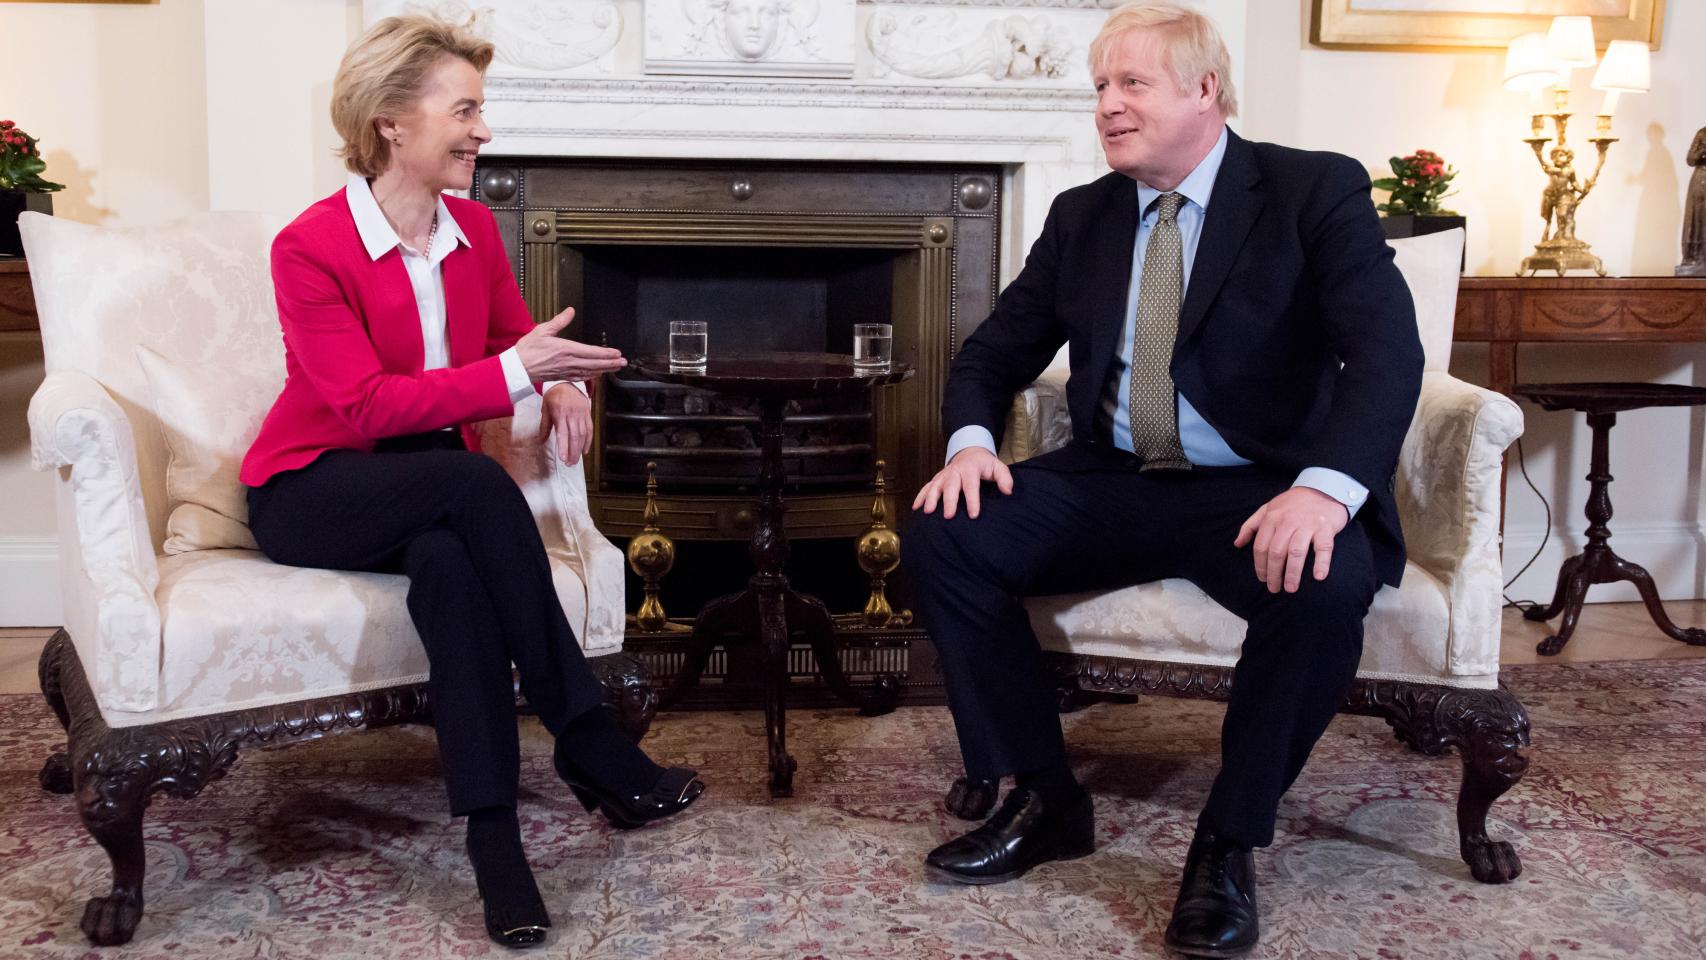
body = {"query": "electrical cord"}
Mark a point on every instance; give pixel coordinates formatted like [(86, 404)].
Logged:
[(1546, 533)]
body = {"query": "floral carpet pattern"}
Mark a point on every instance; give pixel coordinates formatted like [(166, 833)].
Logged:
[(341, 848)]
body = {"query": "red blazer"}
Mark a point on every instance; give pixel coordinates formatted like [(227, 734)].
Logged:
[(352, 339)]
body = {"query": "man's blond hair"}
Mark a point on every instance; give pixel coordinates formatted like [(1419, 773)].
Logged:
[(384, 73), (1190, 39)]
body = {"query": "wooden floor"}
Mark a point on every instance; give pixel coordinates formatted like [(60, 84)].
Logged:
[(1608, 631)]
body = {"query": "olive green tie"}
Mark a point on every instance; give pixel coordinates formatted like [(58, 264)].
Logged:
[(1154, 410)]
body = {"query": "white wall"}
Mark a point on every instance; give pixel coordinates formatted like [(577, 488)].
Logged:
[(149, 111)]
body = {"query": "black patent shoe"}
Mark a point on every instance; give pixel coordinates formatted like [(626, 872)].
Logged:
[(516, 926), (674, 792), (1023, 833), (1215, 915)]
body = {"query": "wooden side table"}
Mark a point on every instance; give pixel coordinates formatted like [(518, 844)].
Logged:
[(1602, 402), (769, 611), (17, 298)]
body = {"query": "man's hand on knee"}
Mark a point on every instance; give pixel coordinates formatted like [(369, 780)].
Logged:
[(1284, 529), (963, 475)]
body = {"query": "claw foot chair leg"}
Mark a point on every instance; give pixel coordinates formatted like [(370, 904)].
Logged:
[(971, 799), (1489, 740), (111, 808), (1488, 728), (628, 692)]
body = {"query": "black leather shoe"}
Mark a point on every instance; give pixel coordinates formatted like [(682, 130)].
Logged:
[(1215, 915), (674, 792), (513, 925), (1024, 832)]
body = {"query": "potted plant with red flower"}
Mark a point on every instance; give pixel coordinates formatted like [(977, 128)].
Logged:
[(1417, 185), (21, 185)]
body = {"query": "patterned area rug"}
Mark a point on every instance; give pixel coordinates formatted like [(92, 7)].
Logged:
[(341, 848)]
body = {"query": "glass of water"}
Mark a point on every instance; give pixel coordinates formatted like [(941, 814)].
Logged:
[(688, 343), (873, 344)]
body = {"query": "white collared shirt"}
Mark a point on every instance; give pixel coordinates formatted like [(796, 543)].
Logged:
[(426, 278)]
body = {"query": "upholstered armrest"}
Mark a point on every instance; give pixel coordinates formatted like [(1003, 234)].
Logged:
[(557, 493), (106, 554), (1039, 421), (1449, 476)]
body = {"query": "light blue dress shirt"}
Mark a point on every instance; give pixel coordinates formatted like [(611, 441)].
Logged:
[(1204, 446)]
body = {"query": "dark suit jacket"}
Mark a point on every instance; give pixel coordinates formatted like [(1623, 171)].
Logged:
[(1297, 339)]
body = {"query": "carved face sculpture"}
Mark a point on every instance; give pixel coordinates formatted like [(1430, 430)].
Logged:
[(1561, 156), (752, 26)]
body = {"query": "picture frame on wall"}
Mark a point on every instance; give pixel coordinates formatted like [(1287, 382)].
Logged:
[(1457, 24)]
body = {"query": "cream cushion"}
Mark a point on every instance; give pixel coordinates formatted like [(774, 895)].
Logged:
[(1430, 265), (210, 413), (241, 631), (1174, 621)]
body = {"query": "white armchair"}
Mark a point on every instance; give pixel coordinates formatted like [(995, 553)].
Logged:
[(181, 641), (1430, 663)]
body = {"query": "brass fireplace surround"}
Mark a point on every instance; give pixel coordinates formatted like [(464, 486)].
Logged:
[(940, 222)]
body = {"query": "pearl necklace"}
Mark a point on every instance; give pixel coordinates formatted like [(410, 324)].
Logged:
[(432, 231)]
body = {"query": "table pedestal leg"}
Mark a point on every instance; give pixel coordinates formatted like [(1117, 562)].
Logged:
[(769, 611), (1598, 563)]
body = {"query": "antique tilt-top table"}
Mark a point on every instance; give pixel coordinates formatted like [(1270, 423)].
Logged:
[(769, 611)]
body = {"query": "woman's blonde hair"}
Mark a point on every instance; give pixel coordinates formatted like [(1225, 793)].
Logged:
[(382, 75), (1191, 40)]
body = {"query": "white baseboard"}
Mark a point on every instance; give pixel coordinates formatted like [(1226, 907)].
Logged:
[(1673, 552), (29, 582)]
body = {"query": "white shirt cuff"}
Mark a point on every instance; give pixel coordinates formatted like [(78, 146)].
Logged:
[(1334, 484), (515, 376), (577, 384), (971, 435)]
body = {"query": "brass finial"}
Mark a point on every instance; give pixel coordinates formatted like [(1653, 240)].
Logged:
[(878, 552), (650, 556)]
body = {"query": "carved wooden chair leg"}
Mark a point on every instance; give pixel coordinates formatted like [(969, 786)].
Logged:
[(971, 799), (1487, 728), (55, 776), (628, 692), (1489, 733), (111, 806)]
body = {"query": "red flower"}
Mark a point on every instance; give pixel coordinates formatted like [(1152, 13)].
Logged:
[(6, 124)]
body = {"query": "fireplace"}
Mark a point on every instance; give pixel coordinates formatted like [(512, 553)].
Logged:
[(774, 256)]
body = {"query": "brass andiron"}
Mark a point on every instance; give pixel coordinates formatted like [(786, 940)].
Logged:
[(650, 556), (878, 550), (1558, 249)]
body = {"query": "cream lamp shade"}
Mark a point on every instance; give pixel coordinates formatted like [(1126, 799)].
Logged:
[(1529, 65), (1627, 68), (1571, 41)]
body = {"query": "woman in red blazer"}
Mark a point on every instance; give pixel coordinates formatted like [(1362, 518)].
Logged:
[(402, 326)]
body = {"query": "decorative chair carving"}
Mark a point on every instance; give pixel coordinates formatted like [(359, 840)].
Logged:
[(182, 643), (1430, 663)]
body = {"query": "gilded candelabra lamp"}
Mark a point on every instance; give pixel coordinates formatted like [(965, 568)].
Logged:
[(1536, 62)]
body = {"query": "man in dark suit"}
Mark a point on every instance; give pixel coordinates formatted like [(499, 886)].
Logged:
[(1244, 364)]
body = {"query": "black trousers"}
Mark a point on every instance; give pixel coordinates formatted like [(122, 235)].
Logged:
[(1081, 521), (480, 591)]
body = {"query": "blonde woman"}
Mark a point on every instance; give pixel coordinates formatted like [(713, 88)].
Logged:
[(402, 326)]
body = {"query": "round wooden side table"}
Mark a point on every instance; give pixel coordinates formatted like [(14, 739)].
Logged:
[(1597, 563), (769, 611)]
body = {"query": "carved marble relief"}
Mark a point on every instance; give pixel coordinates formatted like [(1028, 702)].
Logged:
[(940, 46), (787, 38), (545, 36)]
